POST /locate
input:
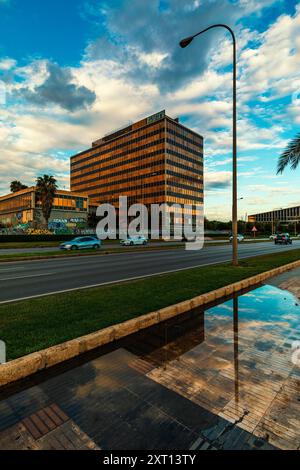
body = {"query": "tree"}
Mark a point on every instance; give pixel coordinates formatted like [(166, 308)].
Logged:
[(16, 186), (46, 188), (291, 155)]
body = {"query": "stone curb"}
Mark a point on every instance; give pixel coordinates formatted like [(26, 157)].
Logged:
[(32, 363)]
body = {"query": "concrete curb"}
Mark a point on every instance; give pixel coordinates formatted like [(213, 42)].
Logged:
[(32, 363)]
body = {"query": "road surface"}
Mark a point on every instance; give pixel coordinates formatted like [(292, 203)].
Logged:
[(27, 279), (106, 245)]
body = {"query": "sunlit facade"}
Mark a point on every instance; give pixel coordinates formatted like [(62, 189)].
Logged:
[(155, 160), (24, 207)]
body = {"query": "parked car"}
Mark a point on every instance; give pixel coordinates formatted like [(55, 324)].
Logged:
[(130, 241), (283, 239), (81, 243), (240, 238), (272, 237)]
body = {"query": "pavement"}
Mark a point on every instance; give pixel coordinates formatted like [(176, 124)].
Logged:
[(29, 279), (198, 382), (289, 280)]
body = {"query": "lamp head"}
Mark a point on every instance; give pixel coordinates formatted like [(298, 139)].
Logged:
[(186, 41)]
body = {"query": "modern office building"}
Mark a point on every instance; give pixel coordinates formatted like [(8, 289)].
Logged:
[(283, 216), (24, 208), (155, 160)]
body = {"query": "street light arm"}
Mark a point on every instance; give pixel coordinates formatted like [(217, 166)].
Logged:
[(185, 42)]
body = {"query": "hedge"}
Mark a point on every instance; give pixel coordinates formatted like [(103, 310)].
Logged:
[(35, 238)]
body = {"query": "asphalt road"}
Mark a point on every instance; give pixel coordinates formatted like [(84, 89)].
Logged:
[(106, 245), (26, 279)]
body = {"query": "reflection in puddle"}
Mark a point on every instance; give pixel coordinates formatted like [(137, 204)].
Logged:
[(223, 378)]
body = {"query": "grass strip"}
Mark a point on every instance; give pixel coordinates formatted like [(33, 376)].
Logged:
[(28, 326)]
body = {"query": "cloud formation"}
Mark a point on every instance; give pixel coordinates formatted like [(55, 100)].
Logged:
[(59, 89)]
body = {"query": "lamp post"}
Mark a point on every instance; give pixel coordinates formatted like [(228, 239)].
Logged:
[(184, 43)]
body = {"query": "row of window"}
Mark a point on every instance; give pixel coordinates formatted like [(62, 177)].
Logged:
[(124, 181), (150, 164), (184, 196), (119, 146), (184, 147), (119, 155), (184, 136), (137, 158), (185, 167), (135, 198), (183, 176), (141, 167), (152, 184), (185, 157), (100, 170), (144, 177), (132, 150), (186, 187)]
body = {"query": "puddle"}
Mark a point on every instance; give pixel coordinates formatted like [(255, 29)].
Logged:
[(224, 378)]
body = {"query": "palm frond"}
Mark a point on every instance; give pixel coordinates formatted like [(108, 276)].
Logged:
[(291, 155)]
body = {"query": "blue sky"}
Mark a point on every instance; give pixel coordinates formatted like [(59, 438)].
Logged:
[(71, 71)]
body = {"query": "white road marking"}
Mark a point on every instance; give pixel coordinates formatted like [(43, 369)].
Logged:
[(19, 299), (135, 278), (23, 277), (11, 269)]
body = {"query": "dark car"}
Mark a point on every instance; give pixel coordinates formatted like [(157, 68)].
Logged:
[(283, 239)]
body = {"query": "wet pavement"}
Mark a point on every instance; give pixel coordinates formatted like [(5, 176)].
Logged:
[(225, 378)]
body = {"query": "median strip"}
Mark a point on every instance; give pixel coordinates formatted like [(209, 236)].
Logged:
[(96, 317)]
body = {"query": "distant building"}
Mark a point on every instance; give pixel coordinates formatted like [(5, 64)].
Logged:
[(24, 208), (277, 216), (155, 160)]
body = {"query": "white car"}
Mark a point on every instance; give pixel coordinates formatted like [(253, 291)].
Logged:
[(240, 238), (130, 241), (272, 237)]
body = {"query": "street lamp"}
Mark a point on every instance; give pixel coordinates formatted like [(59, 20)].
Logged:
[(184, 43)]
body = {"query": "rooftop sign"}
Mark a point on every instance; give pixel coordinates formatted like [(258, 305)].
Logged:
[(156, 117)]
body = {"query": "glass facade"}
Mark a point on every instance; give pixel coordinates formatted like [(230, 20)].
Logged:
[(291, 214), (155, 160), (22, 207)]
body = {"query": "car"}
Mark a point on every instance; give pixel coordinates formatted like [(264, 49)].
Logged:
[(130, 241), (272, 237), (81, 243), (283, 239), (240, 238)]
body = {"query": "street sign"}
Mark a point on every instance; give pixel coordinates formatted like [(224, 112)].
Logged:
[(254, 229)]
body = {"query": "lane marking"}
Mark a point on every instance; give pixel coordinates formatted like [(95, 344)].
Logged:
[(11, 269), (135, 278), (24, 277), (19, 299)]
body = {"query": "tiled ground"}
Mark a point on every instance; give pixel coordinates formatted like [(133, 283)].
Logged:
[(223, 379)]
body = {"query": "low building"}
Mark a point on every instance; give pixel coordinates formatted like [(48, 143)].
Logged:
[(23, 208), (290, 215)]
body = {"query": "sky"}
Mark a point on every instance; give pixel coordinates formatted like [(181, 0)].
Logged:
[(73, 70)]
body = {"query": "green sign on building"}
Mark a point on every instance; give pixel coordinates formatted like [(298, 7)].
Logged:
[(156, 117)]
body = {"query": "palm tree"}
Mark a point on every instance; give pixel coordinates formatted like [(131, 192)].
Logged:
[(46, 188), (16, 186), (291, 155)]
